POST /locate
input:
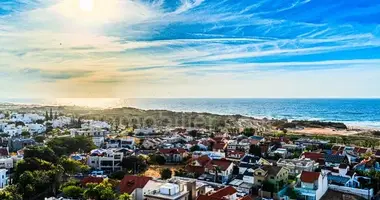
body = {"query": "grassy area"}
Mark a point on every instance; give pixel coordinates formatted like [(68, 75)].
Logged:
[(154, 170)]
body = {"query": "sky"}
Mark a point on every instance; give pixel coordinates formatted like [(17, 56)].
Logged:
[(189, 48)]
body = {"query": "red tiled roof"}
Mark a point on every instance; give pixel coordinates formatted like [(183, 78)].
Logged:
[(131, 182), (4, 152), (223, 164), (91, 179), (205, 197), (312, 155), (195, 169), (229, 190), (362, 150), (219, 146), (309, 177), (246, 198), (356, 149), (254, 142), (203, 160)]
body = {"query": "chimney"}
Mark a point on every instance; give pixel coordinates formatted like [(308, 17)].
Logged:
[(191, 187)]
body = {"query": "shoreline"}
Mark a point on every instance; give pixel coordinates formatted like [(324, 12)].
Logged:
[(351, 126)]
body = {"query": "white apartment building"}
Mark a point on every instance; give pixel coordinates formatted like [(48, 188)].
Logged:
[(107, 160), (296, 166)]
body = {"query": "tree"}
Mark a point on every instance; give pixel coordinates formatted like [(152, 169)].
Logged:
[(134, 164), (19, 123), (255, 150), (166, 173), (193, 133), (39, 138), (125, 196), (117, 175), (249, 132), (102, 191), (39, 121), (4, 135), (157, 159), (51, 114), (72, 191), (47, 116), (71, 166), (10, 193), (40, 152), (195, 148), (25, 134), (180, 172), (68, 145)]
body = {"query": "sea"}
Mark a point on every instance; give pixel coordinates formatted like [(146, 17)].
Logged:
[(353, 112)]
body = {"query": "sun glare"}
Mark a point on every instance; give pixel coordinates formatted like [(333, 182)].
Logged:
[(86, 5)]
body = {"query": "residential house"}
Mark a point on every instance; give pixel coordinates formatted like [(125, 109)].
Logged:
[(107, 160), (134, 185), (128, 143), (248, 161), (221, 170), (297, 165), (361, 151), (235, 145), (281, 152), (234, 155), (3, 178), (311, 185), (197, 165), (144, 131), (168, 191), (278, 176), (175, 155), (335, 160), (211, 154), (219, 147), (227, 193), (152, 143), (20, 143)]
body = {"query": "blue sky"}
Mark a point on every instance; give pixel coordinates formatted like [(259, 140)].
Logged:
[(189, 48)]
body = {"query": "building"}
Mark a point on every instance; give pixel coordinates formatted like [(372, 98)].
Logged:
[(168, 191), (278, 176), (3, 178), (128, 143), (234, 155), (106, 160), (296, 166), (197, 165), (311, 185), (173, 155), (221, 170), (335, 160), (134, 185), (227, 193)]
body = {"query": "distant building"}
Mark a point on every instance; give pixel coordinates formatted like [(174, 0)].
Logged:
[(296, 166), (3, 178)]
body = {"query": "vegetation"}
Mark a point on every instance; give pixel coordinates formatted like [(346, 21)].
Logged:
[(249, 132), (157, 159), (117, 175), (102, 191), (284, 124), (166, 173), (68, 145), (125, 196), (72, 191), (255, 150), (134, 164)]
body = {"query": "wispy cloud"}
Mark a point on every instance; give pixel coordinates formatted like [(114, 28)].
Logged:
[(172, 46)]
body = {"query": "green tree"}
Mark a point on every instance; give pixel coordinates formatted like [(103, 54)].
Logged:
[(40, 152), (102, 191), (255, 150), (125, 196), (39, 138), (166, 173), (157, 159), (72, 191), (195, 148), (134, 164), (68, 145), (249, 132), (117, 175), (10, 193), (71, 166)]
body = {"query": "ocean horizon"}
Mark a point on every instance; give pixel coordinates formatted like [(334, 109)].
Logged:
[(361, 112)]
